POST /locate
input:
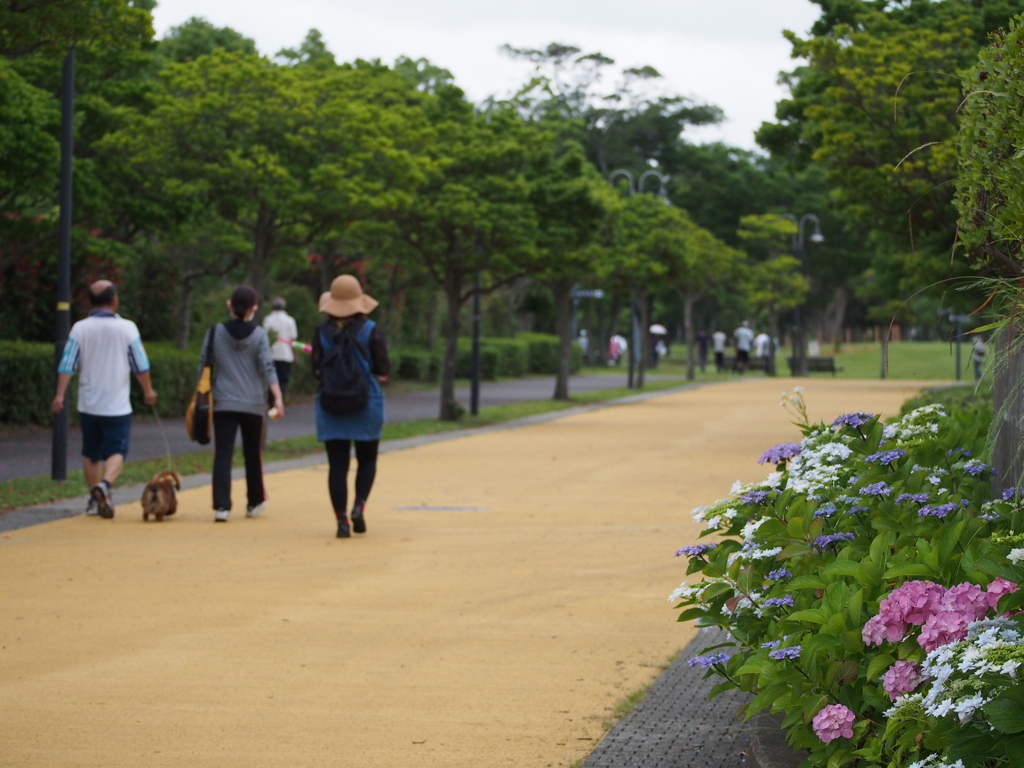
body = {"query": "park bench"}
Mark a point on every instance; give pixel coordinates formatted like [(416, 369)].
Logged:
[(819, 364)]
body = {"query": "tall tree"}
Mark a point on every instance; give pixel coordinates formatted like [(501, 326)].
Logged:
[(472, 214)]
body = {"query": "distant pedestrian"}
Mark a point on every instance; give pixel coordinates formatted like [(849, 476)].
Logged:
[(744, 338), (584, 342), (763, 348), (703, 343), (617, 347), (978, 353), (239, 351), (283, 325), (719, 340), (349, 357), (107, 350)]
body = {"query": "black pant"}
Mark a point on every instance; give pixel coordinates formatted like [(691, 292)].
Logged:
[(284, 377), (338, 453), (225, 426)]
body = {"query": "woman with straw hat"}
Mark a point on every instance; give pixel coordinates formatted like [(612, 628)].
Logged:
[(349, 344)]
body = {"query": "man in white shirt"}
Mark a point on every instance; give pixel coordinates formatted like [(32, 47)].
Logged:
[(282, 325), (744, 339), (107, 350), (718, 341)]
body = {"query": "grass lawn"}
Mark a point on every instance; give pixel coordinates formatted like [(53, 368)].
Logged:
[(907, 360), (28, 491)]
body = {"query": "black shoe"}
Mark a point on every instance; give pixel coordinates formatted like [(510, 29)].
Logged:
[(343, 532), (358, 521)]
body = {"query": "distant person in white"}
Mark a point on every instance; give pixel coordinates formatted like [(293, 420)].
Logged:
[(718, 341), (763, 348), (107, 350), (744, 339), (283, 325)]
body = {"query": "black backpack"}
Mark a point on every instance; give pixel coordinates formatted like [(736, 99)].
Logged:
[(344, 385)]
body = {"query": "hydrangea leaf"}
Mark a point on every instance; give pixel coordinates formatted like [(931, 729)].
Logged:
[(1005, 715), (879, 664)]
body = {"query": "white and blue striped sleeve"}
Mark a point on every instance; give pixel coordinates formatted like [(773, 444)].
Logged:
[(71, 357), (137, 357)]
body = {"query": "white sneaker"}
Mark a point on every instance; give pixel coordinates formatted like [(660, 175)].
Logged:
[(91, 509), (257, 510), (222, 515)]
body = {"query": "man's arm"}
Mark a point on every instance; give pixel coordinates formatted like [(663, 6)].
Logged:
[(63, 380), (147, 387)]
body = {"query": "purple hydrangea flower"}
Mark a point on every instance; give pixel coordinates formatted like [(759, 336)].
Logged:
[(771, 644), (824, 541), (876, 489), (778, 602), (792, 653), (853, 419), (990, 516), (708, 661), (1009, 493), (975, 469), (779, 574), (695, 550), (779, 453), (886, 457), (858, 510), (939, 510), (918, 498), (826, 511), (755, 497)]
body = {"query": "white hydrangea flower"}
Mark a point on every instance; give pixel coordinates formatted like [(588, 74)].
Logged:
[(1016, 555), (686, 591), (697, 514)]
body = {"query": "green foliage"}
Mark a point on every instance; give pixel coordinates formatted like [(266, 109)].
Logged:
[(26, 373), (990, 178), (198, 37), (830, 587)]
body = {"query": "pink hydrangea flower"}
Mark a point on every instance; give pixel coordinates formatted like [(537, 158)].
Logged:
[(913, 602), (881, 628), (902, 677), (997, 589), (943, 628), (966, 599), (834, 721)]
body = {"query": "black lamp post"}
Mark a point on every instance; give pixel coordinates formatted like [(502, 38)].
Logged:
[(799, 244), (59, 456), (636, 330)]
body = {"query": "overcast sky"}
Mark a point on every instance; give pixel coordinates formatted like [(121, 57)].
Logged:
[(725, 52)]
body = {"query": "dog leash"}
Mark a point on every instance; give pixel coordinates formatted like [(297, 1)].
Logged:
[(167, 444)]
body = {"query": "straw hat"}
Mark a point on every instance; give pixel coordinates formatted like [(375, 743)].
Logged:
[(346, 298)]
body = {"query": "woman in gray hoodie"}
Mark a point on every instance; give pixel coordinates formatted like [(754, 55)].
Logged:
[(239, 353)]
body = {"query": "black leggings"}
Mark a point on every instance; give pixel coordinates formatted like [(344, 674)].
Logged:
[(338, 453), (225, 426)]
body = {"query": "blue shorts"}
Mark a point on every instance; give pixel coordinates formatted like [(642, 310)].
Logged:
[(104, 436)]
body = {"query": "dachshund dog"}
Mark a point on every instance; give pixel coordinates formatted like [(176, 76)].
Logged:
[(160, 498)]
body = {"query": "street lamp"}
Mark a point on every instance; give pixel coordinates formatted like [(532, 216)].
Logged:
[(958, 323), (799, 244), (634, 187)]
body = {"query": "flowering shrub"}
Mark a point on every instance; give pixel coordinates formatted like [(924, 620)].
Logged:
[(869, 586)]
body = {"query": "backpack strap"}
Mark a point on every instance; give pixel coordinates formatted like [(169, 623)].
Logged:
[(327, 340)]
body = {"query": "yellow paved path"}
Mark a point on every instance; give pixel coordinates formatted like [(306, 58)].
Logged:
[(442, 638)]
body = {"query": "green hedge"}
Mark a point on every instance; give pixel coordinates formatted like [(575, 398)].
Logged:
[(27, 381), (26, 372)]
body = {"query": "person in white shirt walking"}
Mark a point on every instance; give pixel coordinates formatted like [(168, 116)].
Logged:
[(744, 339), (106, 350), (283, 325), (718, 341)]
